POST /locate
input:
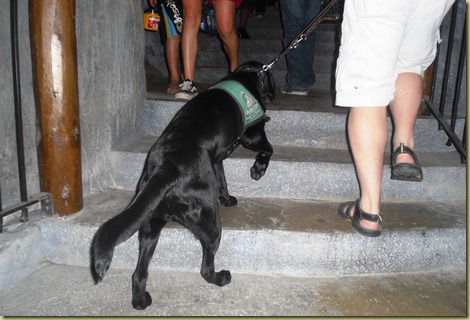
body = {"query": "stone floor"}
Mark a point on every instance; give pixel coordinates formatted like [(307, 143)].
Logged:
[(59, 290)]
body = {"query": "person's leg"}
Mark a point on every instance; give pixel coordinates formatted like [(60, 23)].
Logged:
[(241, 31), (225, 19), (172, 52), (365, 80), (296, 14), (404, 108), (418, 50), (189, 39), (367, 132)]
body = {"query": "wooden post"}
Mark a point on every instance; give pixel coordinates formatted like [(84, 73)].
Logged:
[(54, 58)]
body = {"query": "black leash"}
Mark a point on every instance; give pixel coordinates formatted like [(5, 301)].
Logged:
[(303, 35)]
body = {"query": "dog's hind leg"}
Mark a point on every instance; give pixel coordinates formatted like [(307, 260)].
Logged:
[(224, 197), (124, 225), (149, 234), (209, 233)]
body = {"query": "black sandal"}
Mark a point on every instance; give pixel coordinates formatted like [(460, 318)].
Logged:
[(406, 171), (344, 211)]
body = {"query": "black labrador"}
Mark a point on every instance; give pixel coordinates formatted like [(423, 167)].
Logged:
[(183, 177)]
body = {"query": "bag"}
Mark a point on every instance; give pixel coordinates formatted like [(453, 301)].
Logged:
[(151, 20), (208, 24)]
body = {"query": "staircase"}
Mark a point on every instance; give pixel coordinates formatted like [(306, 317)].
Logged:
[(294, 206), (286, 225)]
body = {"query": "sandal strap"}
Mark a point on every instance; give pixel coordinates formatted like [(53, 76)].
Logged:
[(404, 149), (366, 216)]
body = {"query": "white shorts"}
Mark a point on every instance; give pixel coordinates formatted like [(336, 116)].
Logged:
[(380, 39)]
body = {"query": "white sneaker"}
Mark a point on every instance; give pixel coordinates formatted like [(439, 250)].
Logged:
[(187, 90)]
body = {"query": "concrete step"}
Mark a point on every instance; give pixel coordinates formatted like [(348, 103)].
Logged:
[(310, 121), (278, 237), (323, 80), (309, 146), (306, 173), (60, 290)]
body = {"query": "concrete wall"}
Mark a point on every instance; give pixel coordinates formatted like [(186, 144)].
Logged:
[(111, 48)]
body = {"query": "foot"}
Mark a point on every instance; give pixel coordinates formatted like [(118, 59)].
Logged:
[(287, 89), (242, 34), (172, 88), (187, 90), (365, 223), (405, 165)]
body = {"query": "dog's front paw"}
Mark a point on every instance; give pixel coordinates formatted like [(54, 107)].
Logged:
[(258, 170), (259, 167), (222, 278), (142, 302), (230, 202)]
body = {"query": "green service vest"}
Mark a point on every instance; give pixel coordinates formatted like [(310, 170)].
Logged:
[(249, 106)]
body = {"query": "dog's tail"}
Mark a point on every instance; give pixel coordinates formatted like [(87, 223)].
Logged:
[(124, 225)]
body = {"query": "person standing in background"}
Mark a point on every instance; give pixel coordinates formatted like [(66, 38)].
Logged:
[(191, 22), (225, 20), (170, 28), (296, 15)]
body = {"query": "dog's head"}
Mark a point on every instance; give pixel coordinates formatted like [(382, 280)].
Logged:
[(266, 84)]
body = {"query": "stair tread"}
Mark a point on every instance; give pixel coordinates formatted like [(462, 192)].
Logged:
[(305, 154), (297, 215), (318, 100), (63, 290), (285, 236)]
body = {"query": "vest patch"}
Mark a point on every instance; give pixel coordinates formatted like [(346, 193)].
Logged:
[(249, 106)]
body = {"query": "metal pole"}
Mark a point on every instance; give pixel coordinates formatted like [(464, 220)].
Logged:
[(18, 111)]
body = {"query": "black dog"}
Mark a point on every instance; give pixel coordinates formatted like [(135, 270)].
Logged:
[(183, 177)]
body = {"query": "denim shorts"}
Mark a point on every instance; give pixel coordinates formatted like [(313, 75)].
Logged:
[(381, 39)]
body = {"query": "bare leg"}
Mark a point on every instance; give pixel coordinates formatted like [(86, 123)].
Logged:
[(172, 52), (225, 19), (367, 129), (404, 108), (189, 38)]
